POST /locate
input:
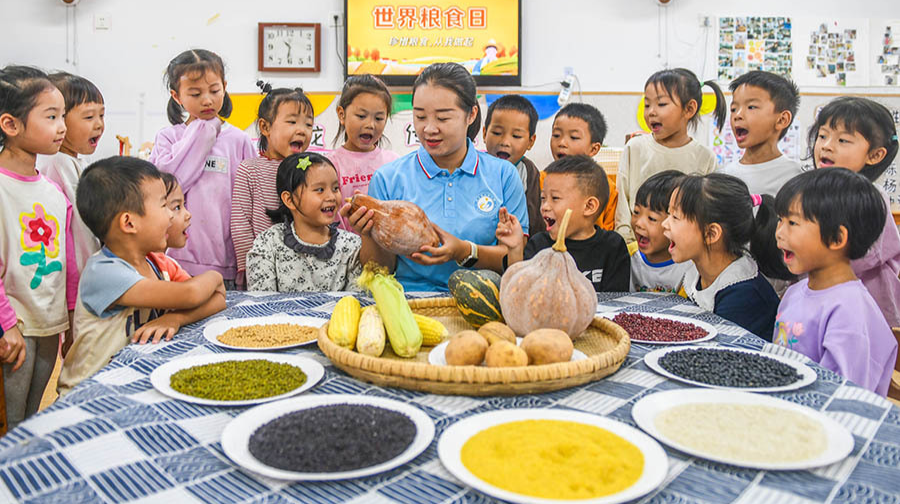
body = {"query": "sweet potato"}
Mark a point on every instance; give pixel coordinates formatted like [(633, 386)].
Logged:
[(399, 227)]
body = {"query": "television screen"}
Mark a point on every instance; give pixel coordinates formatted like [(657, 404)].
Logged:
[(396, 40)]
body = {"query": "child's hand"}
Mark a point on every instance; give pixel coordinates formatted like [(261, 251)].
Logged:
[(12, 346), (360, 220), (164, 326), (509, 231)]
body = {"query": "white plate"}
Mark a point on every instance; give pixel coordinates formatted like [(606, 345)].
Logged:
[(711, 331), (161, 377), (807, 375), (236, 436), (452, 440), (212, 331), (644, 412), (437, 357)]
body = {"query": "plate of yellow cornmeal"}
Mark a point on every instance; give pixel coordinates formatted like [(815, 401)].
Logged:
[(552, 455), (275, 332)]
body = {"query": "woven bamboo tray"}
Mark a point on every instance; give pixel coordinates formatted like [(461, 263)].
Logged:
[(605, 343)]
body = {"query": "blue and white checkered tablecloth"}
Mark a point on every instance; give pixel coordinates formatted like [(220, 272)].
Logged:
[(115, 439)]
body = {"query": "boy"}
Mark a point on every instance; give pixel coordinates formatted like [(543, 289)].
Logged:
[(763, 106), (829, 316), (509, 132), (579, 184), (579, 128), (122, 200), (652, 267)]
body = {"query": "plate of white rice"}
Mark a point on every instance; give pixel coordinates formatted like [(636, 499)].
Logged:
[(742, 429)]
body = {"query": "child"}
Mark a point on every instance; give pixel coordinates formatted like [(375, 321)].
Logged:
[(38, 274), (204, 153), (362, 110), (710, 224), (123, 201), (285, 123), (84, 127), (509, 132), (859, 134), (763, 106), (829, 316), (672, 100), (304, 250), (579, 184), (652, 267), (579, 128)]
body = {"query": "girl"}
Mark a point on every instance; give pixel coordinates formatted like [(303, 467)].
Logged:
[(710, 223), (38, 273), (84, 127), (204, 153), (304, 250), (459, 188), (285, 123), (363, 110), (672, 101), (829, 217), (859, 134)]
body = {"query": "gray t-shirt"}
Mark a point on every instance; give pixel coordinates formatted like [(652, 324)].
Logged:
[(764, 178)]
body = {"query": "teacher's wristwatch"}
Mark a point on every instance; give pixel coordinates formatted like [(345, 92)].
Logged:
[(470, 261)]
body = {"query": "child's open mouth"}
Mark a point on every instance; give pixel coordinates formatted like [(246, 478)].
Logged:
[(655, 127), (502, 155), (643, 242), (825, 162), (740, 134), (560, 155), (366, 138), (93, 141), (296, 147), (788, 255), (671, 246), (329, 210), (549, 221)]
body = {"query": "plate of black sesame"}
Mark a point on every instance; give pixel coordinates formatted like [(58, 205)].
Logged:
[(730, 368), (327, 437), (662, 328)]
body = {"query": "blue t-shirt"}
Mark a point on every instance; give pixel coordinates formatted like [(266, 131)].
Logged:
[(465, 203)]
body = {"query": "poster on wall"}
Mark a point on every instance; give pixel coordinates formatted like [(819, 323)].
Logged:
[(889, 181), (831, 52), (885, 58), (726, 149), (754, 43)]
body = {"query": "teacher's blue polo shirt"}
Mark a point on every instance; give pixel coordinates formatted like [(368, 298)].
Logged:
[(465, 203)]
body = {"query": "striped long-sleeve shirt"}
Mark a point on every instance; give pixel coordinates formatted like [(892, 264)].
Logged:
[(254, 192)]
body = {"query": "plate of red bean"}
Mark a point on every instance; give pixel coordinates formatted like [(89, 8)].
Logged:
[(661, 328)]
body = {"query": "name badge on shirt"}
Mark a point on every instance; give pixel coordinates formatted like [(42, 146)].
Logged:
[(216, 164), (484, 202)]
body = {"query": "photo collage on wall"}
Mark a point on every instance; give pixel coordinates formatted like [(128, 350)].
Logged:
[(754, 43), (887, 60), (832, 53)]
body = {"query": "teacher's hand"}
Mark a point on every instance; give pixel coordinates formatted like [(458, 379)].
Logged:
[(451, 249)]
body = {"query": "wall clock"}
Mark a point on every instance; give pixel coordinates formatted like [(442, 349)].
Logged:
[(289, 47)]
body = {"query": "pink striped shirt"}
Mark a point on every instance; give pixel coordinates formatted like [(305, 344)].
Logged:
[(254, 191)]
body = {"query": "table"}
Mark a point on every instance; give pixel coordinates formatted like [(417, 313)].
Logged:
[(115, 439)]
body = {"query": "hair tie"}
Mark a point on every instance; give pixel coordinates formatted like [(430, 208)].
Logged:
[(265, 87), (756, 199), (303, 163), (894, 138)]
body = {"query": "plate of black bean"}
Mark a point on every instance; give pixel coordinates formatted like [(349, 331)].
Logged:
[(333, 437), (730, 368)]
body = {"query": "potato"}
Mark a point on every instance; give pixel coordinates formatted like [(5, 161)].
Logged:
[(497, 331), (466, 348), (546, 346), (505, 354)]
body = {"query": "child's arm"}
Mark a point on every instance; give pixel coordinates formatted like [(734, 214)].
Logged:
[(241, 216), (12, 345), (261, 272), (184, 158), (169, 323), (623, 206), (509, 233), (72, 278), (162, 295)]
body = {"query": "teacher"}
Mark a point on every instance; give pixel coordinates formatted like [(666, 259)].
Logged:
[(460, 189)]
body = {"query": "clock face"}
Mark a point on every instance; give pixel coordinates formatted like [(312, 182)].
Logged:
[(289, 47)]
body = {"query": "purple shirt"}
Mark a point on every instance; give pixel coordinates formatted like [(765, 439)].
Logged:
[(879, 269), (842, 329)]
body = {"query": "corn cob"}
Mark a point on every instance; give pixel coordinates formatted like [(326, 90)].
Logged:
[(371, 333), (433, 332), (344, 324), (402, 330)]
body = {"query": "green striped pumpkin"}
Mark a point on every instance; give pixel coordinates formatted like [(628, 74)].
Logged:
[(477, 295)]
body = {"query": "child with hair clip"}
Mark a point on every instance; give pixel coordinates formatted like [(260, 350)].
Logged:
[(710, 223), (203, 152), (672, 101), (304, 251), (84, 127), (38, 272), (363, 110), (827, 219), (652, 267), (285, 122), (859, 134)]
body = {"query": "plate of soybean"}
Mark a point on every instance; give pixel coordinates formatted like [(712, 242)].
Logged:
[(327, 437), (236, 379), (275, 332), (662, 328), (730, 368)]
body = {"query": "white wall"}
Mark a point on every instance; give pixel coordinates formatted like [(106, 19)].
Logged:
[(613, 45)]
